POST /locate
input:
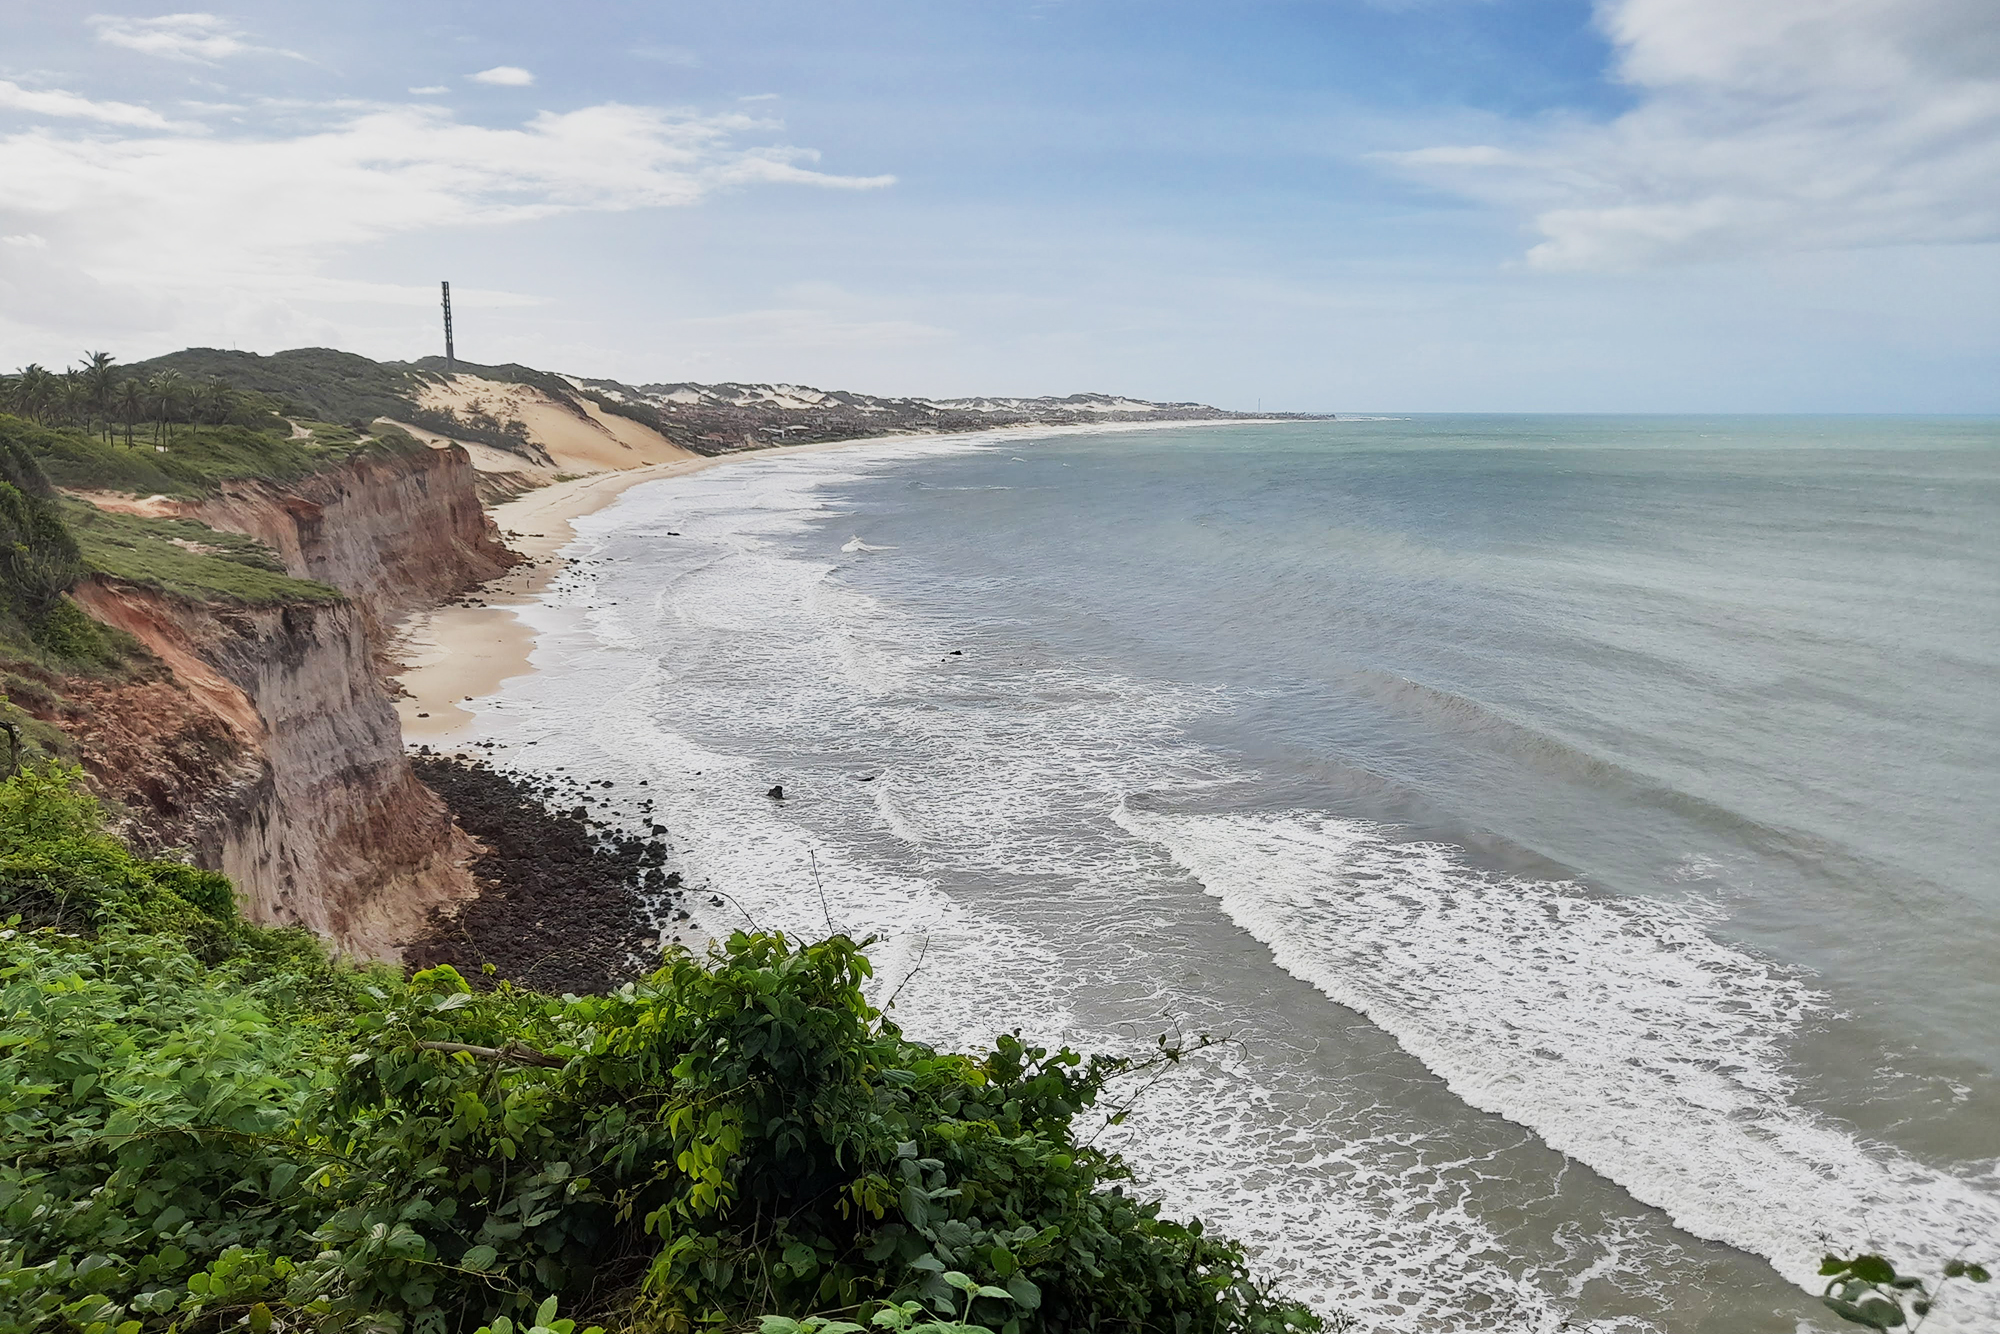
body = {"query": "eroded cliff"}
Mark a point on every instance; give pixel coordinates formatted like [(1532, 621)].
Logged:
[(267, 745), (321, 822), (395, 530)]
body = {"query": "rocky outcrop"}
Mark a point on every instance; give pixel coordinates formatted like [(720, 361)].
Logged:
[(324, 824), (395, 530)]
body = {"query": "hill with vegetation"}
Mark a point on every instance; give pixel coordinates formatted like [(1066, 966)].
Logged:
[(334, 386)]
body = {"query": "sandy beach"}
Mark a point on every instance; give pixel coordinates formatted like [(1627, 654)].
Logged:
[(456, 653)]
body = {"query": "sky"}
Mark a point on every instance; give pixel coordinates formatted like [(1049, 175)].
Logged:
[(1302, 205)]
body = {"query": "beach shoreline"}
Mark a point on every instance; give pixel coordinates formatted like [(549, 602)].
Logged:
[(460, 651)]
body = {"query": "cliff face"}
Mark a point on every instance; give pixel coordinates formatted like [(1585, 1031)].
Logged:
[(269, 748), (393, 531), (322, 822)]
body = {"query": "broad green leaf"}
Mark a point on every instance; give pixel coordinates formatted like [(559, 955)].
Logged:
[(1025, 1293), (1873, 1269)]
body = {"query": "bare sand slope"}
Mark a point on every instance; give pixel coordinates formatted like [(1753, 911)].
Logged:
[(577, 438)]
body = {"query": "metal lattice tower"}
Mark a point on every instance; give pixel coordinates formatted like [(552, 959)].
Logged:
[(449, 359)]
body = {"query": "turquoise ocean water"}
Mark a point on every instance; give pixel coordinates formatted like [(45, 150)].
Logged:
[(1584, 828)]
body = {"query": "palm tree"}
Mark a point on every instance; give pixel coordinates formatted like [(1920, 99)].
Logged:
[(73, 398), (214, 401), (97, 375), (32, 391), (131, 399), (166, 391)]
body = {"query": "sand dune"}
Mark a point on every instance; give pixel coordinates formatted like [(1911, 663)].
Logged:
[(575, 437)]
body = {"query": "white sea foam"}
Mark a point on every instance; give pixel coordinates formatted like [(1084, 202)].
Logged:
[(1010, 884), (854, 544), (1620, 1031)]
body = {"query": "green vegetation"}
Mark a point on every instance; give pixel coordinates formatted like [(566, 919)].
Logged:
[(99, 397), (1866, 1290), (181, 557), (39, 561), (199, 459), (315, 382), (335, 386), (205, 1125), (38, 558), (209, 386)]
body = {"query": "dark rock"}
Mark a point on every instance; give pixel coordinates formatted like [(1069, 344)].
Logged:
[(558, 908), (777, 793)]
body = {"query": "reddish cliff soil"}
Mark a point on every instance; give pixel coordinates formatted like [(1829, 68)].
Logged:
[(177, 771), (333, 832), (394, 531), (266, 745)]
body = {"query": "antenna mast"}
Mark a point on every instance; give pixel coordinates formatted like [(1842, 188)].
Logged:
[(449, 359)]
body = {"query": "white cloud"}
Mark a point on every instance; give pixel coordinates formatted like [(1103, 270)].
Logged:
[(1784, 125), (55, 102), (192, 231), (505, 76), (429, 90), (201, 38)]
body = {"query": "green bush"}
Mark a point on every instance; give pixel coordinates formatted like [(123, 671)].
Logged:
[(59, 868), (317, 382), (39, 559), (67, 632), (203, 1124)]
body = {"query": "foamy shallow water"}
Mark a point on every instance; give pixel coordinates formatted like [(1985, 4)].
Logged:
[(1458, 1095)]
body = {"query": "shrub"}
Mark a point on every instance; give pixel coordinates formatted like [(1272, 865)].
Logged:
[(39, 559), (68, 632)]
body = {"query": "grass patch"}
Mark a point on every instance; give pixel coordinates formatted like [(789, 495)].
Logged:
[(197, 459), (182, 557)]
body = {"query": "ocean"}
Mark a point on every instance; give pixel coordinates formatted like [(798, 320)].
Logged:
[(1579, 831)]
